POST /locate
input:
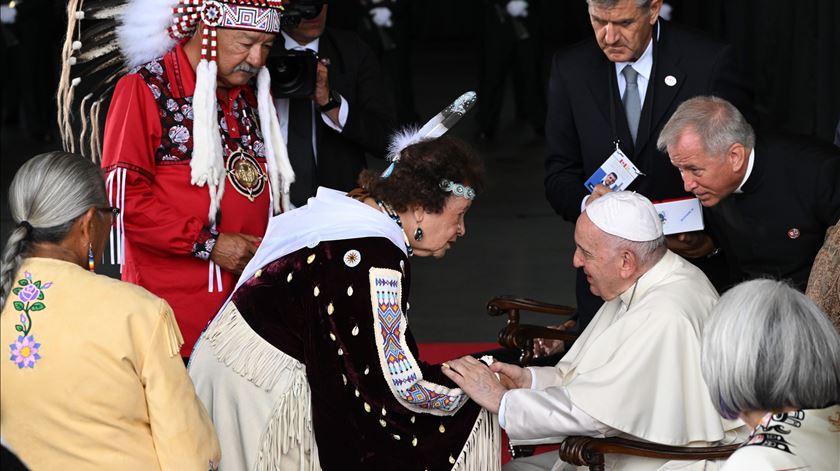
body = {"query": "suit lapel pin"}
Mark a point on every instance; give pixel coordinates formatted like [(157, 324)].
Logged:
[(670, 80), (793, 233)]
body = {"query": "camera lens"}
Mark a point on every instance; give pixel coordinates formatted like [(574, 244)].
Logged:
[(286, 73), (293, 73)]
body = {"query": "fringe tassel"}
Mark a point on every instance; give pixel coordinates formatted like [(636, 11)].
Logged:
[(483, 450), (63, 97), (115, 184), (207, 163), (95, 141), (109, 185), (174, 340), (67, 110), (122, 219), (245, 352), (84, 123), (219, 279), (290, 425), (277, 155), (214, 278)]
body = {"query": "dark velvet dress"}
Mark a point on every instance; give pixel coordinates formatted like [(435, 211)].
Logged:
[(340, 309)]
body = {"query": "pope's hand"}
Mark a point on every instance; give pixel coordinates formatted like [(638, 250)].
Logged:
[(477, 381), (512, 376), (233, 251)]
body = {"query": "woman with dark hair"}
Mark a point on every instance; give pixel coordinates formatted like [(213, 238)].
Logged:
[(93, 379), (311, 363)]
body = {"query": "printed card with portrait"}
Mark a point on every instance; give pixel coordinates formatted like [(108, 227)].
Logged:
[(616, 173)]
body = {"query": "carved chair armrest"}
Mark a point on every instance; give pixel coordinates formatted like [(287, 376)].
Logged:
[(510, 304), (521, 336), (588, 451)]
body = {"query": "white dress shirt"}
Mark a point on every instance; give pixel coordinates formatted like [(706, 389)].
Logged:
[(750, 164), (282, 104)]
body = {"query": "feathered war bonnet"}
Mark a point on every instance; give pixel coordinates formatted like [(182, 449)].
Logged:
[(121, 35)]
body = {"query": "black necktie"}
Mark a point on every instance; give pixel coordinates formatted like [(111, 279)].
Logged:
[(301, 155)]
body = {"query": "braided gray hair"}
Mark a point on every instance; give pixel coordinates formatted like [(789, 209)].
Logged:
[(49, 192)]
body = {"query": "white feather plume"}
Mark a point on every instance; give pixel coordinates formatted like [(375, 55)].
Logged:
[(142, 32), (401, 139), (280, 171), (207, 162)]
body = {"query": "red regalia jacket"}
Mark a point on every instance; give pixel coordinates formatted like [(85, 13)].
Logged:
[(163, 238)]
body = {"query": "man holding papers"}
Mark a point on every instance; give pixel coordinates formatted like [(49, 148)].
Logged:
[(768, 199)]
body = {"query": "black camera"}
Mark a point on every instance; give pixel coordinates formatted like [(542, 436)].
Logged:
[(293, 73)]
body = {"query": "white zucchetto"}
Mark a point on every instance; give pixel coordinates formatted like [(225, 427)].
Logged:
[(626, 214)]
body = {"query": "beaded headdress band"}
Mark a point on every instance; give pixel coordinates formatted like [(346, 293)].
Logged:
[(457, 189), (252, 15)]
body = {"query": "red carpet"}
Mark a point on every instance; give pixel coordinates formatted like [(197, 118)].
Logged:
[(440, 352)]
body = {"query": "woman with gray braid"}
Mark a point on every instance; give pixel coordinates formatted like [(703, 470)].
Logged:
[(92, 378)]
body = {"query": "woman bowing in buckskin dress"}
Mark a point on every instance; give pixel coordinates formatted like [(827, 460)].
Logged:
[(311, 364)]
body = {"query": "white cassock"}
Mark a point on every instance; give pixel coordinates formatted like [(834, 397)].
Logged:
[(634, 373)]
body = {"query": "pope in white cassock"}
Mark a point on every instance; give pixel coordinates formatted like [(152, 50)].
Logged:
[(635, 371)]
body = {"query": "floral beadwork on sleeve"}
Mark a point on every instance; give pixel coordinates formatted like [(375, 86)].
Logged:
[(203, 245), (25, 350), (398, 364)]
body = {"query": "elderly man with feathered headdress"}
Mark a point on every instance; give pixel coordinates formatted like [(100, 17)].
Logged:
[(192, 149)]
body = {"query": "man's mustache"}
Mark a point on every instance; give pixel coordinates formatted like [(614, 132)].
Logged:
[(247, 68)]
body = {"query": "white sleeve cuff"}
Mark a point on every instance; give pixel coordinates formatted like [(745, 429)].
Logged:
[(502, 410), (343, 111)]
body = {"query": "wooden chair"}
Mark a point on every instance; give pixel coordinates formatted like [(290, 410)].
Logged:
[(580, 451)]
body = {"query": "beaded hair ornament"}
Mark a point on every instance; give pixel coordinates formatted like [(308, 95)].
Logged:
[(434, 128)]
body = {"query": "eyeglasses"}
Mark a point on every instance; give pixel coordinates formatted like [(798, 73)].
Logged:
[(115, 212)]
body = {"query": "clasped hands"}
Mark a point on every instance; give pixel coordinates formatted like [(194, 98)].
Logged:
[(481, 383)]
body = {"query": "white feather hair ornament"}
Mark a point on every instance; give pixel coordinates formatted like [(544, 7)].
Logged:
[(434, 128)]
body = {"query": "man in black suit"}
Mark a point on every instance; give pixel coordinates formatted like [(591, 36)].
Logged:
[(768, 200), (590, 110), (350, 114)]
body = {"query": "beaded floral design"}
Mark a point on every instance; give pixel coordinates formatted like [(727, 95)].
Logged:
[(25, 350)]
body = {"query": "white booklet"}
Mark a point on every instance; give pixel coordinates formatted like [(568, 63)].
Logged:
[(680, 215), (616, 173)]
